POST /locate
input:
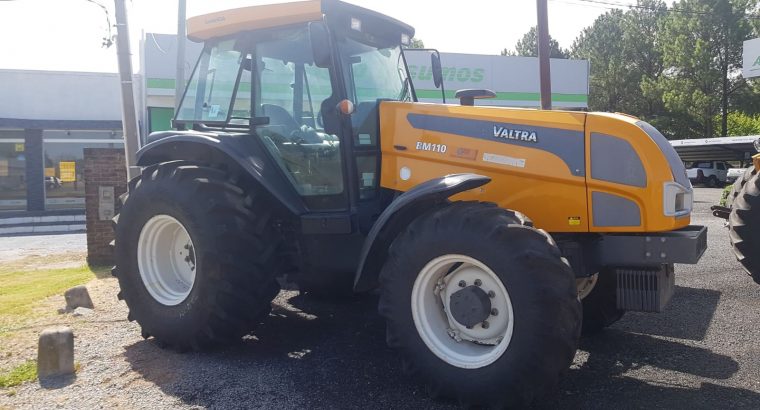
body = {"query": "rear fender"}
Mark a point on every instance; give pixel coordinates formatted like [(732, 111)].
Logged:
[(399, 214), (240, 150)]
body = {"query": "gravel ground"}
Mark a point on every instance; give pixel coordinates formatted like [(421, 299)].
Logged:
[(702, 352), (23, 246)]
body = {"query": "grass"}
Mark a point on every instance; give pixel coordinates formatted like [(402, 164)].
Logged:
[(25, 372), (20, 290)]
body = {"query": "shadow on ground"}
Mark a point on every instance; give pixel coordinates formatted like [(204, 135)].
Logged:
[(687, 316), (603, 381), (57, 382), (312, 354)]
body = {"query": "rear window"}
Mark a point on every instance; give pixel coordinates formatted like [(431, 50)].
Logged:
[(703, 165)]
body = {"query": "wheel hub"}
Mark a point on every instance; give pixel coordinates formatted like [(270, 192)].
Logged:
[(166, 259), (470, 306), (462, 311)]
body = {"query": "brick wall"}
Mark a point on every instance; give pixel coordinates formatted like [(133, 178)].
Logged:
[(104, 170)]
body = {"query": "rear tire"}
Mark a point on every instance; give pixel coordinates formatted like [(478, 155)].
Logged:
[(230, 247), (744, 227), (540, 321), (600, 305)]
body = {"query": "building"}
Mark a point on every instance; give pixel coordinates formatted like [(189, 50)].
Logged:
[(46, 119)]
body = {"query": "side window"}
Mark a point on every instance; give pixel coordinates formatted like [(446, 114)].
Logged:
[(721, 166), (277, 78), (296, 96)]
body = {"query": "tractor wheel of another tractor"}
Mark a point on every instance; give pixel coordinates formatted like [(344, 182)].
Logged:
[(195, 255), (483, 308), (744, 227), (600, 305), (738, 185)]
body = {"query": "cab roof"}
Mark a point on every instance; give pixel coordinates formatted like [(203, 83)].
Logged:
[(228, 22)]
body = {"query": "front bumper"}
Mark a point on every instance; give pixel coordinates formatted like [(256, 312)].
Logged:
[(686, 245)]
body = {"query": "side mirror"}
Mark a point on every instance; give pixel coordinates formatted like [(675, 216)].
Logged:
[(435, 65), (320, 44)]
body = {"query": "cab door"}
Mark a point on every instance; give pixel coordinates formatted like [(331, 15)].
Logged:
[(295, 95), (371, 73)]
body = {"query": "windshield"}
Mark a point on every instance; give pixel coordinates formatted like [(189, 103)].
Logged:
[(211, 89), (374, 73)]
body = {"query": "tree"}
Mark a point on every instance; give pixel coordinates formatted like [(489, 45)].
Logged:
[(527, 46), (740, 124), (612, 84), (701, 51), (641, 38), (416, 43)]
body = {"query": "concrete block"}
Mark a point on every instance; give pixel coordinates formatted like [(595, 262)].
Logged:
[(78, 297), (55, 352)]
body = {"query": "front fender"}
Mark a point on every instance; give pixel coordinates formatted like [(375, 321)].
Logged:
[(399, 214), (243, 150)]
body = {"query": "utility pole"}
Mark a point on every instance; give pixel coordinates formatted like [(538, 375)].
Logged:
[(128, 110), (544, 51), (179, 79)]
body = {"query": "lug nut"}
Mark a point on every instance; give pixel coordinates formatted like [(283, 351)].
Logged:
[(485, 324), (494, 312), (462, 283), (491, 294), (478, 282)]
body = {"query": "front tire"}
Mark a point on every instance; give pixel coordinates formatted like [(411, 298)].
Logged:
[(744, 227), (195, 255), (600, 305), (482, 307)]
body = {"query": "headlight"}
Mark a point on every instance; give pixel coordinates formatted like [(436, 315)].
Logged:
[(757, 145), (677, 199)]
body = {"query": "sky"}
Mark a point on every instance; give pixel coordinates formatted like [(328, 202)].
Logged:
[(67, 35)]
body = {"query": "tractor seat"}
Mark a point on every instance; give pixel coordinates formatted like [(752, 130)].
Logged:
[(280, 116)]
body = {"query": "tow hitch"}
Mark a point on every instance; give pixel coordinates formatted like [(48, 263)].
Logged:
[(720, 211)]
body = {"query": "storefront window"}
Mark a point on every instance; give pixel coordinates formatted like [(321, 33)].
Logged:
[(64, 164), (12, 171)]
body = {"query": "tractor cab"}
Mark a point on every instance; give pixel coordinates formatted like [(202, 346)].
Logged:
[(305, 79)]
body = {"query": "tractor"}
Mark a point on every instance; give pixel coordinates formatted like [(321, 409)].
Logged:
[(492, 235), (741, 210)]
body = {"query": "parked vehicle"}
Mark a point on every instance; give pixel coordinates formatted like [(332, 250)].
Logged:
[(482, 227), (734, 173), (710, 173), (52, 182)]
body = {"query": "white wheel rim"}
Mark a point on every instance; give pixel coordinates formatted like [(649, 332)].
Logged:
[(586, 285), (166, 259), (448, 339)]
